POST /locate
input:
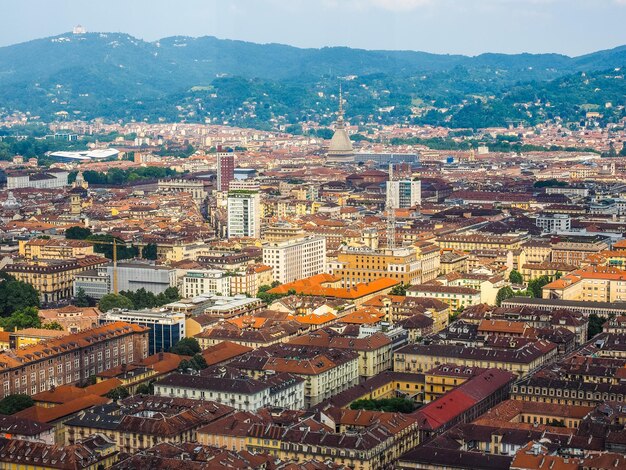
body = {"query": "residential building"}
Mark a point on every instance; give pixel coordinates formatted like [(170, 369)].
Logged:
[(231, 387), (418, 358), (244, 214), (404, 193), (71, 358), (361, 265), (592, 283), (141, 421), (89, 454), (296, 258), (574, 249), (54, 278), (54, 248), (326, 371), (554, 223), (195, 187), (205, 281), (225, 170), (374, 350), (455, 296)]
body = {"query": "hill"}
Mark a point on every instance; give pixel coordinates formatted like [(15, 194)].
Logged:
[(117, 76)]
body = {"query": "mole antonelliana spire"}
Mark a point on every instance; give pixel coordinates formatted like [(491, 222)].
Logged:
[(340, 149)]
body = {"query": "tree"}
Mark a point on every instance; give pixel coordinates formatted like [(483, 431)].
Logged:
[(27, 317), (52, 326), (118, 393), (504, 293), (149, 251), (14, 403), (111, 301), (400, 289), (186, 347), (16, 295), (515, 277), (77, 233), (198, 362), (595, 325), (81, 299), (535, 286), (146, 389), (395, 405)]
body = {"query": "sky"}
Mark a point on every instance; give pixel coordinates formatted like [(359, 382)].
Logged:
[(470, 27)]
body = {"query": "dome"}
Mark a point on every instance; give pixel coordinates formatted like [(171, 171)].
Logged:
[(340, 144), (11, 203), (340, 149)]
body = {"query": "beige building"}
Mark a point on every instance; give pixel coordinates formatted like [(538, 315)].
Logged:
[(39, 248)]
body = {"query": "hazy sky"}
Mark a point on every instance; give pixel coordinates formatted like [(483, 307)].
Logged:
[(444, 26)]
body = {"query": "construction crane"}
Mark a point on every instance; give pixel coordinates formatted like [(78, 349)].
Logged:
[(114, 244)]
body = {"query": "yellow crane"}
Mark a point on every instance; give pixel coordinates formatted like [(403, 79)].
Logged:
[(114, 244)]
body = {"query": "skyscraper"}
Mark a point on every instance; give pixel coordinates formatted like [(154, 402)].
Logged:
[(225, 169), (244, 214)]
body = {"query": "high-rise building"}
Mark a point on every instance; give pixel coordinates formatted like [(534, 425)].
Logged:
[(296, 258), (225, 169), (244, 214), (404, 193)]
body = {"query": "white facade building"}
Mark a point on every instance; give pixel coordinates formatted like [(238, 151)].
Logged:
[(244, 214), (44, 180), (404, 193), (239, 391), (205, 281), (552, 223), (295, 259)]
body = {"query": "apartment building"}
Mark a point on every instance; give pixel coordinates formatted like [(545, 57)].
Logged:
[(205, 281), (142, 421), (374, 350), (418, 358), (405, 193), (248, 280), (231, 387), (455, 296), (296, 258), (53, 278), (244, 214), (592, 283), (71, 358), (195, 187), (361, 265), (326, 371), (53, 248), (574, 249), (481, 241)]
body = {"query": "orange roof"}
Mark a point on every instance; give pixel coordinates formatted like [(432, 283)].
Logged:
[(48, 415), (502, 326), (315, 286), (4, 336), (364, 316), (67, 393), (314, 319), (223, 351)]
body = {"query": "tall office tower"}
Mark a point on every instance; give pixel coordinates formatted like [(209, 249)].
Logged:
[(244, 214), (225, 169), (404, 193)]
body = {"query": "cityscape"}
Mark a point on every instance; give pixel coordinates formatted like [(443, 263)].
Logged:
[(227, 254)]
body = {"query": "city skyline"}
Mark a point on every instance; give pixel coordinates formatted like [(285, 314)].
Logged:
[(442, 26)]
